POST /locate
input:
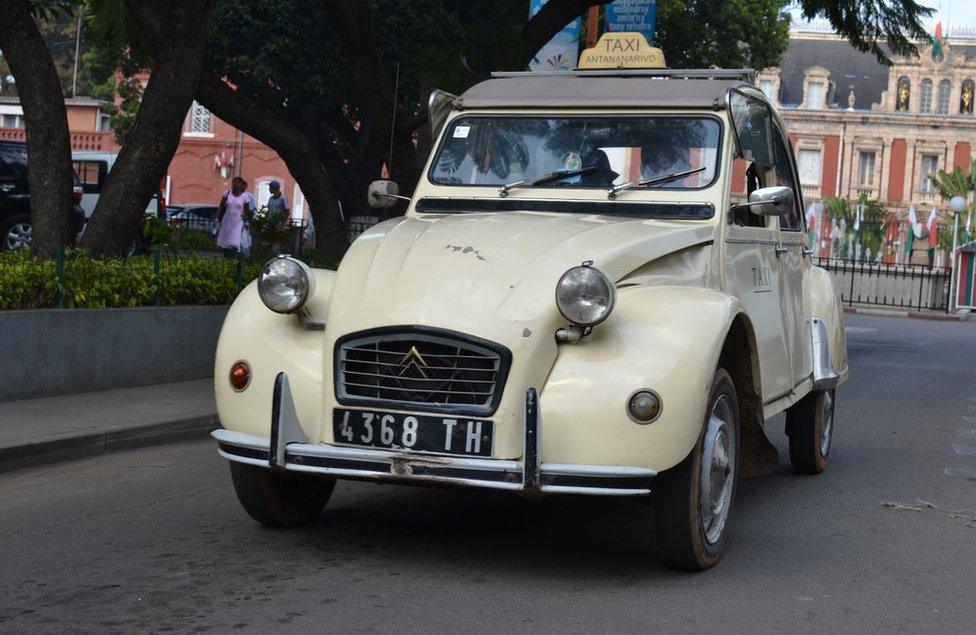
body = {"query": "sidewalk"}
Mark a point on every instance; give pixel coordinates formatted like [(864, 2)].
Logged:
[(36, 431)]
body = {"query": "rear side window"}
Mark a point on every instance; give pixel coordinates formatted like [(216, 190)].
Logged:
[(7, 172), (91, 174)]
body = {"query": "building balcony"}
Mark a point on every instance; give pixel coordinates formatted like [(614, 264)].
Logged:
[(930, 196), (92, 141), (811, 192), (871, 192)]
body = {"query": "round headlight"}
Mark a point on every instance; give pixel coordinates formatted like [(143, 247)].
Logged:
[(585, 295), (285, 284)]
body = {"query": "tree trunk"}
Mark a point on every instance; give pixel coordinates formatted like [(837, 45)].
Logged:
[(49, 176), (294, 148), (142, 162)]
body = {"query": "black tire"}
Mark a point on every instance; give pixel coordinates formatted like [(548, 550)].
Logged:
[(6, 227), (280, 499), (809, 426), (683, 541)]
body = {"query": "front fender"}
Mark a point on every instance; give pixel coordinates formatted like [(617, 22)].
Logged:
[(825, 304), (667, 339), (271, 343)]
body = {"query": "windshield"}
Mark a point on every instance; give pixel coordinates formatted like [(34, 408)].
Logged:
[(498, 150)]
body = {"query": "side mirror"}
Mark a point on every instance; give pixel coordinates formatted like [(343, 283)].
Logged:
[(769, 201), (382, 194), (438, 108)]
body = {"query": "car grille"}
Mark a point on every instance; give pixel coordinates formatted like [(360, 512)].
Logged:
[(421, 369)]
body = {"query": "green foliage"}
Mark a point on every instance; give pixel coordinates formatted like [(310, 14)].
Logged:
[(29, 283), (124, 115), (959, 182), (871, 235), (171, 239), (269, 235), (722, 33)]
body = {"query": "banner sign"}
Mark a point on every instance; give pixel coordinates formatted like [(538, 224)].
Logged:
[(637, 16), (562, 51)]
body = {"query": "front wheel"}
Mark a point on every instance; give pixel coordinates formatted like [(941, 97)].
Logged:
[(280, 499), (15, 232), (693, 500), (810, 427)]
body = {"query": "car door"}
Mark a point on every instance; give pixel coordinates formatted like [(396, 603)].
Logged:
[(795, 265), (753, 268)]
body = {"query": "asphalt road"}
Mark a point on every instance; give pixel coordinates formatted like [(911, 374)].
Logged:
[(154, 539)]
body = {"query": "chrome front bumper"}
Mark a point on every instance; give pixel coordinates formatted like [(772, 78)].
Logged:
[(287, 449)]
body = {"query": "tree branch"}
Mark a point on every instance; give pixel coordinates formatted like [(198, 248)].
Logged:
[(46, 122)]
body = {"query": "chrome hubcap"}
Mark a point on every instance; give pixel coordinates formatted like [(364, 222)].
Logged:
[(717, 469), (19, 236), (826, 422)]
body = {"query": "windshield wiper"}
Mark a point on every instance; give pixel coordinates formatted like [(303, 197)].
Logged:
[(552, 177), (654, 180)]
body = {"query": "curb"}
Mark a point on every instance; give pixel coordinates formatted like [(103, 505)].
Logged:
[(915, 315), (85, 445)]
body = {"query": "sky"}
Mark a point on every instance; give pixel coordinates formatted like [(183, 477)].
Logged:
[(959, 13)]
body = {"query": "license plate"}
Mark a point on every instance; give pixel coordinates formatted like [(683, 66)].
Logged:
[(413, 432)]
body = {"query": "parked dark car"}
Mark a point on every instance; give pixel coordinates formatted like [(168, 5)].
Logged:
[(15, 219), (201, 217)]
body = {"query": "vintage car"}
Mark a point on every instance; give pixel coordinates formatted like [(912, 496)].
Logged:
[(601, 285)]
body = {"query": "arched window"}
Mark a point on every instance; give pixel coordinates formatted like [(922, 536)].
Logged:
[(925, 96), (945, 88), (966, 97), (902, 94)]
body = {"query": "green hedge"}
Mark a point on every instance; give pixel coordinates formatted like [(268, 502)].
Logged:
[(27, 283)]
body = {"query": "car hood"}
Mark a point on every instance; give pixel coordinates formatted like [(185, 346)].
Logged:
[(482, 273)]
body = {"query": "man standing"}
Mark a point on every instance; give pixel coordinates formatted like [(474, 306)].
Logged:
[(277, 204)]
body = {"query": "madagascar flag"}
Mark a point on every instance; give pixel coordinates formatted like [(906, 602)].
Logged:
[(937, 42)]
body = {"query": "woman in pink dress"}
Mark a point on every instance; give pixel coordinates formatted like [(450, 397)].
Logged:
[(235, 209)]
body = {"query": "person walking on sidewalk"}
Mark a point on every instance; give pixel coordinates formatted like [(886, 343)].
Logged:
[(235, 210), (277, 204)]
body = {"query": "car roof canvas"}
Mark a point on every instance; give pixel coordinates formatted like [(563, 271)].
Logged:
[(569, 91)]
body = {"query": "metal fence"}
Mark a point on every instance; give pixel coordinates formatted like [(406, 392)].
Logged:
[(917, 287)]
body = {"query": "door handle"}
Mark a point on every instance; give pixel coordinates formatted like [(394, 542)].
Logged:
[(781, 249)]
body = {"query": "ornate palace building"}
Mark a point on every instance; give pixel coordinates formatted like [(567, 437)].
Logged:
[(860, 127)]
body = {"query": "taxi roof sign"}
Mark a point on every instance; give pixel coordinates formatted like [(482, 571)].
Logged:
[(622, 50)]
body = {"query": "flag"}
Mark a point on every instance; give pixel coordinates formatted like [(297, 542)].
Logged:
[(933, 230), (912, 221), (937, 42)]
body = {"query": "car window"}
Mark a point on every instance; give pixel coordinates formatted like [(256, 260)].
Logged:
[(496, 150), (6, 171), (783, 175), (91, 173), (753, 129)]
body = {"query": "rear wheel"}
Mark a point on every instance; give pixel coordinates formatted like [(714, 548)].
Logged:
[(15, 232), (810, 427), (693, 500), (280, 499)]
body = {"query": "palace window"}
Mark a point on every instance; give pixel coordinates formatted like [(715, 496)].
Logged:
[(929, 165), (809, 164), (945, 88), (925, 96), (865, 169), (815, 95), (12, 121), (200, 121), (766, 86)]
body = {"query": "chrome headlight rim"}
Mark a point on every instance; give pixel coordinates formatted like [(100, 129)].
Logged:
[(611, 299), (306, 287)]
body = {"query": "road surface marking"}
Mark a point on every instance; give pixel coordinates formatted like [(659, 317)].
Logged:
[(957, 470), (859, 329)]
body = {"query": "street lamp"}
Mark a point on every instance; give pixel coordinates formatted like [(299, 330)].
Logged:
[(957, 204)]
